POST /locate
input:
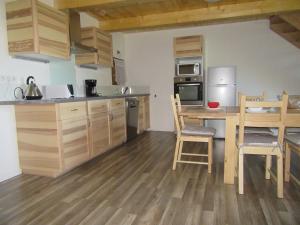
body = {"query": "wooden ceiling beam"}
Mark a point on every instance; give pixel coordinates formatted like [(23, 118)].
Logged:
[(77, 4), (243, 10)]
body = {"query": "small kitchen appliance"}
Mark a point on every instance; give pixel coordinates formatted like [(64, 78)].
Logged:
[(91, 88), (191, 66), (32, 92)]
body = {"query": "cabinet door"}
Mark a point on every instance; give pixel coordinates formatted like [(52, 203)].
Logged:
[(117, 122), (141, 119), (188, 46), (146, 112), (74, 141), (99, 126)]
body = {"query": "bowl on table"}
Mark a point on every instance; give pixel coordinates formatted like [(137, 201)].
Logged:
[(213, 105)]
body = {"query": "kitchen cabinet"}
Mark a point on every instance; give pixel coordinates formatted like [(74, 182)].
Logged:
[(144, 114), (94, 37), (99, 131), (188, 46), (52, 138), (37, 31), (117, 122)]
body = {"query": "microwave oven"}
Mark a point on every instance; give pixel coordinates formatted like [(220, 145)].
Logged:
[(188, 68)]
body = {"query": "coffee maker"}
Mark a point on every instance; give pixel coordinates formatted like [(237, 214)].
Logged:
[(90, 88)]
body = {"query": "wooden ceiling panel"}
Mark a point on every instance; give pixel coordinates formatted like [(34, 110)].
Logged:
[(115, 15)]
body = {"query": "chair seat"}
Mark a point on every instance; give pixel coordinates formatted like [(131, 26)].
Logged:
[(293, 138), (293, 130), (196, 130), (265, 140), (256, 130)]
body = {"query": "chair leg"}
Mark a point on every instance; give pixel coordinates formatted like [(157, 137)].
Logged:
[(287, 163), (210, 155), (176, 154), (241, 172), (180, 150), (279, 175), (268, 166)]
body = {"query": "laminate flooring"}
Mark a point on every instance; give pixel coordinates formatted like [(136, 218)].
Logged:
[(134, 184)]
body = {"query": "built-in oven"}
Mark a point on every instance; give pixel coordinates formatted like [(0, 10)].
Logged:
[(190, 89)]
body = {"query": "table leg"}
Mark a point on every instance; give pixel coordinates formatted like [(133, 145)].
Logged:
[(230, 150)]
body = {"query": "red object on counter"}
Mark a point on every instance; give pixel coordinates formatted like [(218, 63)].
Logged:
[(213, 104)]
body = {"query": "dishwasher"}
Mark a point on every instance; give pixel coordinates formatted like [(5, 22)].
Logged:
[(132, 115)]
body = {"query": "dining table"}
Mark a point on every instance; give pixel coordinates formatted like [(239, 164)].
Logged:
[(231, 116)]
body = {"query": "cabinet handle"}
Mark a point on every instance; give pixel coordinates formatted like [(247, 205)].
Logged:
[(73, 110)]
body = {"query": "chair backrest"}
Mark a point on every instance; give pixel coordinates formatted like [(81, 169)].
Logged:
[(176, 107), (263, 119), (253, 97)]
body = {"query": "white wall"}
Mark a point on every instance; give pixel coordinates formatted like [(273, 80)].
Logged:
[(264, 61), (13, 73)]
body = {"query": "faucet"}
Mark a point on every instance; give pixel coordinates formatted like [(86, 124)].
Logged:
[(124, 90)]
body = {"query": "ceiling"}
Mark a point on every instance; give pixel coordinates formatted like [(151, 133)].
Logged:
[(115, 15)]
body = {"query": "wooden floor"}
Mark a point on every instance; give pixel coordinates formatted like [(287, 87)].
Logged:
[(134, 184)]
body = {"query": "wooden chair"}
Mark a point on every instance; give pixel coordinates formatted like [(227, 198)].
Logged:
[(192, 134), (259, 98), (253, 97), (292, 143), (262, 144)]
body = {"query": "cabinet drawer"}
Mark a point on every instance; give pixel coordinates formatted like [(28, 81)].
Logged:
[(72, 110), (97, 107), (117, 103)]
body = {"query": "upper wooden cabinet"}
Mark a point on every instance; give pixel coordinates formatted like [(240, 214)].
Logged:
[(188, 46), (94, 37), (36, 30)]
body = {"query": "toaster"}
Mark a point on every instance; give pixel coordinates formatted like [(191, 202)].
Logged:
[(58, 91)]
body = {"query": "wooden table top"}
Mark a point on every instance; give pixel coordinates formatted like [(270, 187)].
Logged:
[(292, 120)]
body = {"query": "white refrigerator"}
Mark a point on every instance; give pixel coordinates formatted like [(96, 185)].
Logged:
[(221, 87)]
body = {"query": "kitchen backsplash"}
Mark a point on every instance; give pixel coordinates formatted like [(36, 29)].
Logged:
[(117, 89)]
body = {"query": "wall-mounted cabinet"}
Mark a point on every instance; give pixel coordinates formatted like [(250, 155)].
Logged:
[(188, 46), (94, 37), (36, 30)]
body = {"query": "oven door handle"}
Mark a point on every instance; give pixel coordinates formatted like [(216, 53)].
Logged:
[(189, 84)]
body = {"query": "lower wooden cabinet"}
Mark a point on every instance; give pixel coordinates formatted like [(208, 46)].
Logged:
[(54, 138), (117, 122), (144, 114), (99, 126), (74, 142)]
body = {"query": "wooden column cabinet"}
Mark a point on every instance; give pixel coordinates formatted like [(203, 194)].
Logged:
[(36, 30), (144, 114), (94, 37), (99, 132), (188, 46)]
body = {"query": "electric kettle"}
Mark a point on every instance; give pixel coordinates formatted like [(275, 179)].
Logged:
[(32, 92)]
